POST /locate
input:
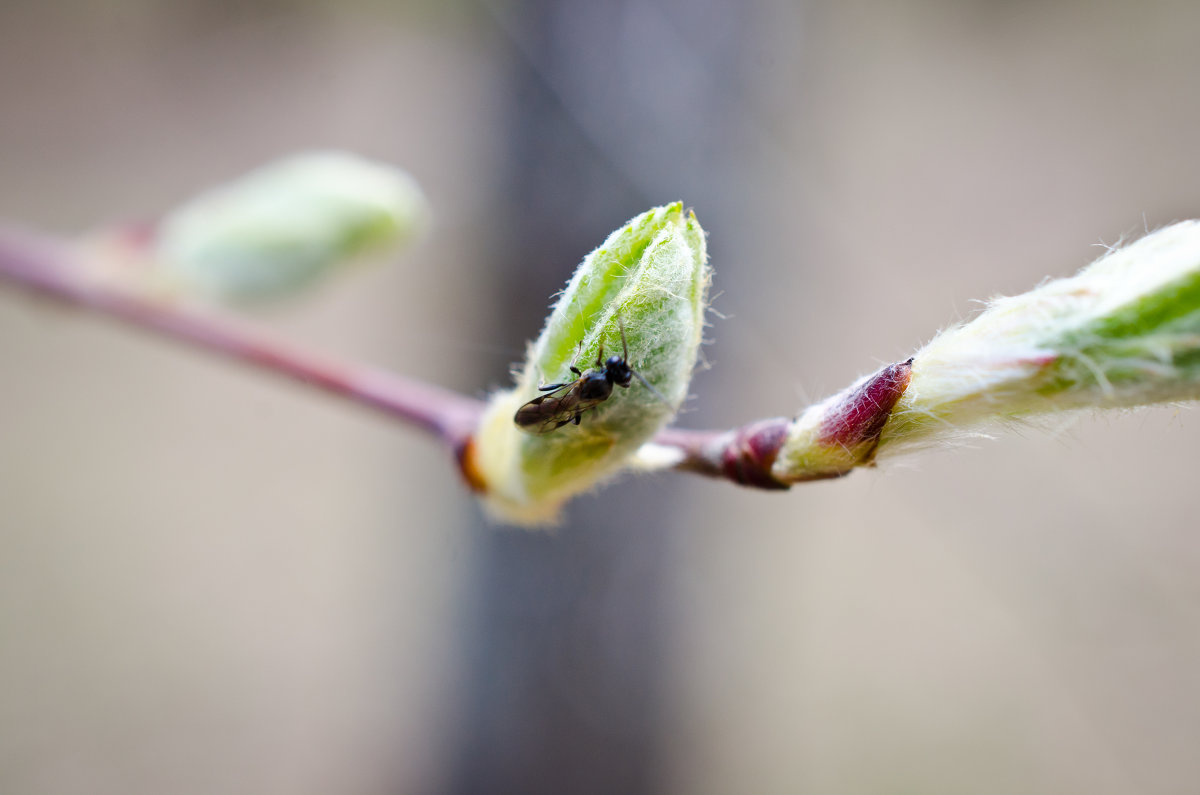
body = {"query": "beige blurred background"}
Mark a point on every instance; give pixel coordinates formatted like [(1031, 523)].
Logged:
[(211, 581)]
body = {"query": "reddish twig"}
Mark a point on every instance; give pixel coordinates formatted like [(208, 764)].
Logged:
[(743, 455), (55, 271)]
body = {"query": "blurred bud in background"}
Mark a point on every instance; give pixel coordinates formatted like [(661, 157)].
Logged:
[(272, 233)]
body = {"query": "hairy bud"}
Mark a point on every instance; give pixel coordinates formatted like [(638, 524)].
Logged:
[(649, 278)]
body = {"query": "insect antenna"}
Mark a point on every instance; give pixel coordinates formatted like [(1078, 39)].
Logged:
[(650, 386), (639, 376)]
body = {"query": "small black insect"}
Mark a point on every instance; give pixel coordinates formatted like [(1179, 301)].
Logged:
[(566, 402)]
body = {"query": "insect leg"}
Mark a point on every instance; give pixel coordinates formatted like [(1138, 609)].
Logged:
[(578, 353), (578, 418), (552, 387)]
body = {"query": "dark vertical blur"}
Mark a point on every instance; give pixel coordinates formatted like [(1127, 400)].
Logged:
[(616, 107)]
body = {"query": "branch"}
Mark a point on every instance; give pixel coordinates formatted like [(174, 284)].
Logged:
[(1123, 332), (53, 270)]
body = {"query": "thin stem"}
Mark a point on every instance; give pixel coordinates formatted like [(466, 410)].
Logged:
[(693, 451), (55, 271), (743, 455)]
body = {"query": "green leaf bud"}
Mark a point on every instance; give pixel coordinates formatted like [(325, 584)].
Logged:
[(651, 279), (282, 226)]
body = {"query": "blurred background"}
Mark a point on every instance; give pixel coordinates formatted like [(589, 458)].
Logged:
[(211, 581)]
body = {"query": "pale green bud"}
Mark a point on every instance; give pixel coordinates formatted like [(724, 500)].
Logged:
[(282, 226), (1124, 331), (651, 277)]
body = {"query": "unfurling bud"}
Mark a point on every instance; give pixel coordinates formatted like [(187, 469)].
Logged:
[(648, 282), (1123, 332)]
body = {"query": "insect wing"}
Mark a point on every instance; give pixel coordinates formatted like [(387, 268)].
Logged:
[(546, 413)]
